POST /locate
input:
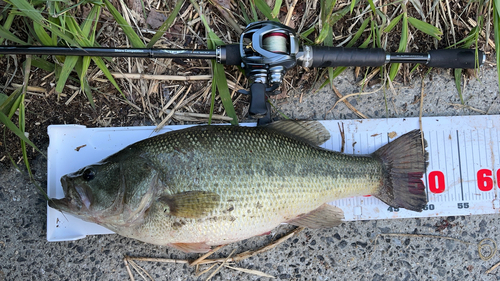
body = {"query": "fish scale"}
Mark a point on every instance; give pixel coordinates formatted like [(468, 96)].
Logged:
[(301, 180), (212, 185)]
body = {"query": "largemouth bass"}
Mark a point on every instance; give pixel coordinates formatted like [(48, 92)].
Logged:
[(212, 185)]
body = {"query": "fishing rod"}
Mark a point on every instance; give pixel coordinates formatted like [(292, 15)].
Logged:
[(266, 51)]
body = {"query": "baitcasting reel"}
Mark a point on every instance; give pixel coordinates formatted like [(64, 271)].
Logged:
[(267, 49)]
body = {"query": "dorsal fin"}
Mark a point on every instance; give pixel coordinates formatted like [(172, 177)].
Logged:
[(312, 132)]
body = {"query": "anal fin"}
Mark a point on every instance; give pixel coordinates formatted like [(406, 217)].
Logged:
[(325, 216), (191, 247)]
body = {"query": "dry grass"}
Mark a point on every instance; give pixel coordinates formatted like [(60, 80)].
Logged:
[(149, 84), (215, 264)]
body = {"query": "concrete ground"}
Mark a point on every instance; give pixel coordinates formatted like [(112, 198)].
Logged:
[(346, 252)]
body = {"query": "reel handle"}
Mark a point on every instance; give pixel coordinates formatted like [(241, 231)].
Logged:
[(258, 107)]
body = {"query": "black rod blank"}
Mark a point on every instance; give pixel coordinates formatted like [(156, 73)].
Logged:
[(109, 52)]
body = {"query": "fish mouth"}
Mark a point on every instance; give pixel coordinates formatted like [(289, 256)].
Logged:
[(59, 204), (75, 198)]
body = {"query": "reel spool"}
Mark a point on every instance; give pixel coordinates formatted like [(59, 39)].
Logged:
[(276, 42)]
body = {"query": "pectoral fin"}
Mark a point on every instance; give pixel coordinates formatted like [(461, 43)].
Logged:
[(325, 216), (190, 204), (191, 247)]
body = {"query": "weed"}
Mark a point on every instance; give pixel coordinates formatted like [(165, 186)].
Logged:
[(363, 24)]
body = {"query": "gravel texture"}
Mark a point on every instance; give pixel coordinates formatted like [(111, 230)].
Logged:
[(351, 251)]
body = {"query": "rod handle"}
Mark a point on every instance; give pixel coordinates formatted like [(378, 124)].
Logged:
[(338, 56), (455, 58)]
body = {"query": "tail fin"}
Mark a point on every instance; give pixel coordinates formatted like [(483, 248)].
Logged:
[(405, 162)]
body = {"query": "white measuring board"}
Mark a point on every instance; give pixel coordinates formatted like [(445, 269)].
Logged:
[(462, 177)]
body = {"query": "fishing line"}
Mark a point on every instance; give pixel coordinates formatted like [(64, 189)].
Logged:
[(489, 249), (276, 42)]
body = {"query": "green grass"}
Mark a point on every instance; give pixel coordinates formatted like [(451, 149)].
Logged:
[(219, 80), (8, 106), (53, 22), (59, 28)]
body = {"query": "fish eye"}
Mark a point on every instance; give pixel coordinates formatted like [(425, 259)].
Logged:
[(88, 174)]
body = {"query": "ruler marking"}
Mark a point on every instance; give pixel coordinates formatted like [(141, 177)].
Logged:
[(493, 154), (469, 146), (481, 159), (486, 153), (443, 140), (492, 159), (436, 148), (497, 159), (489, 151), (481, 146), (460, 167), (442, 162), (427, 185), (477, 162), (452, 138), (447, 136), (456, 167), (435, 162), (445, 196), (491, 148), (435, 151), (469, 150)]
